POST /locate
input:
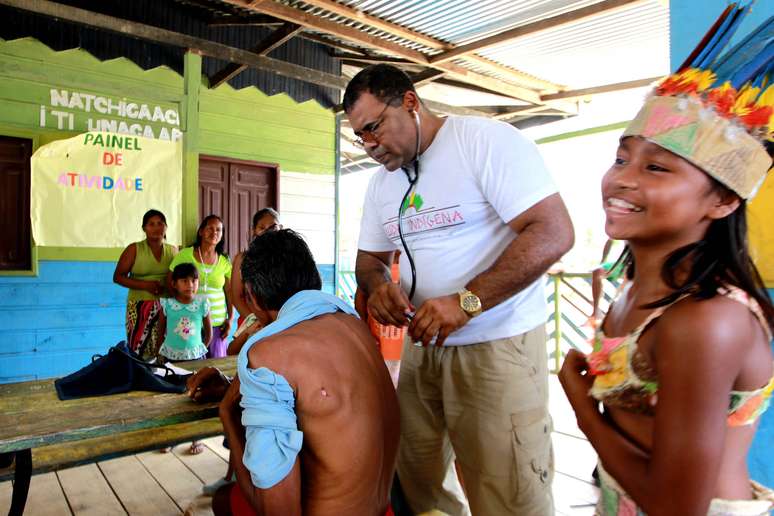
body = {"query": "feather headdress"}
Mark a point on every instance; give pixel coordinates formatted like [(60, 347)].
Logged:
[(717, 111)]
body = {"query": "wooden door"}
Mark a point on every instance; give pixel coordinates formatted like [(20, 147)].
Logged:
[(15, 246), (235, 190)]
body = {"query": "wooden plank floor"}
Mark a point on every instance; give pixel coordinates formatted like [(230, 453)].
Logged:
[(155, 483)]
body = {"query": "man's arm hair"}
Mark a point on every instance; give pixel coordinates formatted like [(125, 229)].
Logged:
[(544, 233), (372, 269)]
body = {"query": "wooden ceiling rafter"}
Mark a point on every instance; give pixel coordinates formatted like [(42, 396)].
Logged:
[(605, 88), (359, 60), (426, 76), (200, 45), (259, 20), (311, 21), (332, 43), (510, 74), (274, 40)]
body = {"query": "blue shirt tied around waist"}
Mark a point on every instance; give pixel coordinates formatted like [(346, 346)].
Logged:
[(268, 403)]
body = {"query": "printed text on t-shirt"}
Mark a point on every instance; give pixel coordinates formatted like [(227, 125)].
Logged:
[(431, 219)]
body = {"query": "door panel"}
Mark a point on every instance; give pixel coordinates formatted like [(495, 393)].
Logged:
[(15, 247), (251, 188), (235, 190), (213, 188)]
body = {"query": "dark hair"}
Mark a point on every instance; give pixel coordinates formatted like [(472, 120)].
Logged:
[(720, 258), (383, 81), (185, 270), (152, 213), (220, 245), (277, 265), (262, 213)]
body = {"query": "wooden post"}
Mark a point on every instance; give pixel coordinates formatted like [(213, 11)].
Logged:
[(557, 323), (192, 79)]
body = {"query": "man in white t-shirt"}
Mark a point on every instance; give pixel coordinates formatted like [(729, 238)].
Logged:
[(481, 220)]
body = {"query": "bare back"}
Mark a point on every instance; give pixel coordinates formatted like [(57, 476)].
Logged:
[(347, 408)]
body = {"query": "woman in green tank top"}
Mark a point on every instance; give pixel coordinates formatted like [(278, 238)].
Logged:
[(142, 268)]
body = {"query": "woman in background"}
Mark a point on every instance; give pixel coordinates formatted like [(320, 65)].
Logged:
[(142, 268), (214, 278)]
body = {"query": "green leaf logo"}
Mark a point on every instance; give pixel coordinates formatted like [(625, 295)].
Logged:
[(412, 201)]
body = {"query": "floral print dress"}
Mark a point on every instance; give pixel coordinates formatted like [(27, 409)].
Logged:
[(183, 339)]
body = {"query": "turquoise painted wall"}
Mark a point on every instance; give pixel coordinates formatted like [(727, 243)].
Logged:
[(52, 324), (761, 458), (689, 20)]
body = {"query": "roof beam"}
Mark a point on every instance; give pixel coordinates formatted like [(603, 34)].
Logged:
[(311, 21), (315, 22), (333, 44), (426, 76), (618, 86), (531, 28), (269, 43), (438, 107), (428, 41), (206, 47), (360, 59), (514, 75), (255, 20), (168, 37)]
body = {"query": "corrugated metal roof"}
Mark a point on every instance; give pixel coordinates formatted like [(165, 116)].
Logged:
[(616, 46), (462, 21), (578, 54), (180, 17)]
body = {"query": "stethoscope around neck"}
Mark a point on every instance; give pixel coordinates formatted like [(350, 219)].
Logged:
[(412, 179)]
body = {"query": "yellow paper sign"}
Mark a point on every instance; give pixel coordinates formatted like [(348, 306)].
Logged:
[(92, 190)]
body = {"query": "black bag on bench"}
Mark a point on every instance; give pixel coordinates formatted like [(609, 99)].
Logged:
[(120, 370)]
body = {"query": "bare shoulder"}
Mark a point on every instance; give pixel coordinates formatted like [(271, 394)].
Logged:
[(716, 331), (305, 350), (278, 353)]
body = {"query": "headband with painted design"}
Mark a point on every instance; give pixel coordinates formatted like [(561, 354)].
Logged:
[(716, 111)]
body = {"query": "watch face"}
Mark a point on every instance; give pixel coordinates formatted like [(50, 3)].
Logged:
[(470, 303)]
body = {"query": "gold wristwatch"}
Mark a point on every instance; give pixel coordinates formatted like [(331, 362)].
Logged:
[(469, 302)]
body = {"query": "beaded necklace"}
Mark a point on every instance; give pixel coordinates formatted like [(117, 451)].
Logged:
[(205, 264)]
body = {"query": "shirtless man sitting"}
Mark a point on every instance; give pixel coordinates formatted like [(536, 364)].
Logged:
[(312, 418)]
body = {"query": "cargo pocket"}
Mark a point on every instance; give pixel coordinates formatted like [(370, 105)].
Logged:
[(534, 456)]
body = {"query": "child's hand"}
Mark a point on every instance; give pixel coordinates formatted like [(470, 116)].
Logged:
[(225, 328), (576, 382)]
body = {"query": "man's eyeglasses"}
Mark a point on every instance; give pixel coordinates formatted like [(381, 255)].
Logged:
[(370, 133)]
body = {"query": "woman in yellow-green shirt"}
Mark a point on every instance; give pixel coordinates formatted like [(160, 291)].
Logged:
[(214, 266), (142, 268)]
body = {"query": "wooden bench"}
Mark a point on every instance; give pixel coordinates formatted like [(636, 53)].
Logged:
[(46, 434), (67, 455)]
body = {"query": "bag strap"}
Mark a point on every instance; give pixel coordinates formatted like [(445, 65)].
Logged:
[(120, 349)]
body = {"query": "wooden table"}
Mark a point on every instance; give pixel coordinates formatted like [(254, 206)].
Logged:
[(72, 432)]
